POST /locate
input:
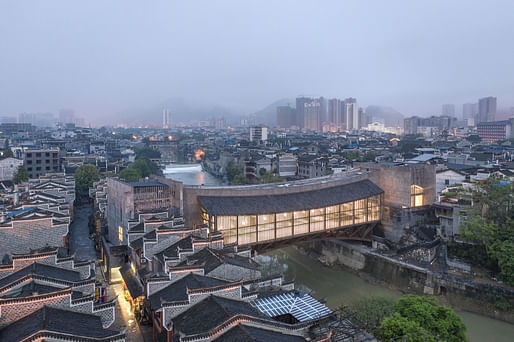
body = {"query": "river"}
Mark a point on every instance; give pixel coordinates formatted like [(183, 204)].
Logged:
[(191, 174), (337, 286)]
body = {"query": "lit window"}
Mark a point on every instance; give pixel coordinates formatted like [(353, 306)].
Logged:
[(416, 196), (120, 233)]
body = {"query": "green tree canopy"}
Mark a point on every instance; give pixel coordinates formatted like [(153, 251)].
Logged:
[(147, 152), (85, 175), (269, 177), (239, 179), (20, 175), (371, 311), (7, 153), (145, 166), (399, 328), (490, 226), (130, 174), (422, 319), (232, 170)]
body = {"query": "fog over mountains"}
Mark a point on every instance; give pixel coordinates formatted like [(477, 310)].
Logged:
[(116, 61), (191, 111)]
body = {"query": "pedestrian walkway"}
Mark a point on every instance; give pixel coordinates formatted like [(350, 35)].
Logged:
[(124, 315)]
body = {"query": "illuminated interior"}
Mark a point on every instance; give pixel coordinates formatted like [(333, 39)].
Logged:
[(120, 234), (248, 229), (416, 196)]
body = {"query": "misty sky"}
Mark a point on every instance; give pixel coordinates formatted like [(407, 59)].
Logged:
[(106, 57)]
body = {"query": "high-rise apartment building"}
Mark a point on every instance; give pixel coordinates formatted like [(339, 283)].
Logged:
[(486, 109), (363, 119), (335, 113), (300, 105), (285, 117), (469, 111), (166, 118), (448, 110), (312, 113), (351, 113)]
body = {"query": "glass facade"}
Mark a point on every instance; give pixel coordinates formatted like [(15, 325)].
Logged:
[(249, 229)]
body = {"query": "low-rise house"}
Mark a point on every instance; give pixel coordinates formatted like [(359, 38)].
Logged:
[(59, 325), (8, 167)]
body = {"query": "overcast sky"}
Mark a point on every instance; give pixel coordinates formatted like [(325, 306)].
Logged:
[(105, 57)]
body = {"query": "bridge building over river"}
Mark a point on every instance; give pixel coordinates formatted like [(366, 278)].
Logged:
[(344, 206)]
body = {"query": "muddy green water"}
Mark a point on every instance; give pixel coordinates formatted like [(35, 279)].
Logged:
[(338, 287)]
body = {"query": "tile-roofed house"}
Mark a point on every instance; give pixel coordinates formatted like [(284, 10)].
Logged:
[(179, 290), (187, 246), (214, 317), (49, 256), (36, 285), (242, 333), (57, 324), (29, 228), (222, 264)]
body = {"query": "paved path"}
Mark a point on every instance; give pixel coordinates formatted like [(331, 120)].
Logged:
[(124, 316), (80, 244), (84, 249)]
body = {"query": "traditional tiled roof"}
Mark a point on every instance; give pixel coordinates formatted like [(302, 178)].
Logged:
[(243, 333), (252, 205), (178, 291), (210, 259), (50, 322), (212, 312), (43, 270)]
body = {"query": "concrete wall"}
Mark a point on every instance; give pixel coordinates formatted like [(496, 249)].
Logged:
[(120, 209), (396, 180)]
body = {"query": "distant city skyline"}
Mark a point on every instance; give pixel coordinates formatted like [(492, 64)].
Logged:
[(414, 57)]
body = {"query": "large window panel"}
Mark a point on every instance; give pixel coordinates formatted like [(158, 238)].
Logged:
[(374, 208), (360, 211), (247, 229), (347, 214), (416, 196), (228, 226), (317, 219), (266, 227), (332, 217), (284, 224), (301, 222)]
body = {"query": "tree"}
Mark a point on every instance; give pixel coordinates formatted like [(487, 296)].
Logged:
[(490, 227), (232, 170), (130, 174), (398, 328), (422, 319), (239, 179), (144, 166), (85, 176), (370, 311), (20, 175), (269, 177), (147, 152), (7, 153)]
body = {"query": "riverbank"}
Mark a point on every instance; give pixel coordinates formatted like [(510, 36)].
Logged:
[(410, 278), (340, 285)]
